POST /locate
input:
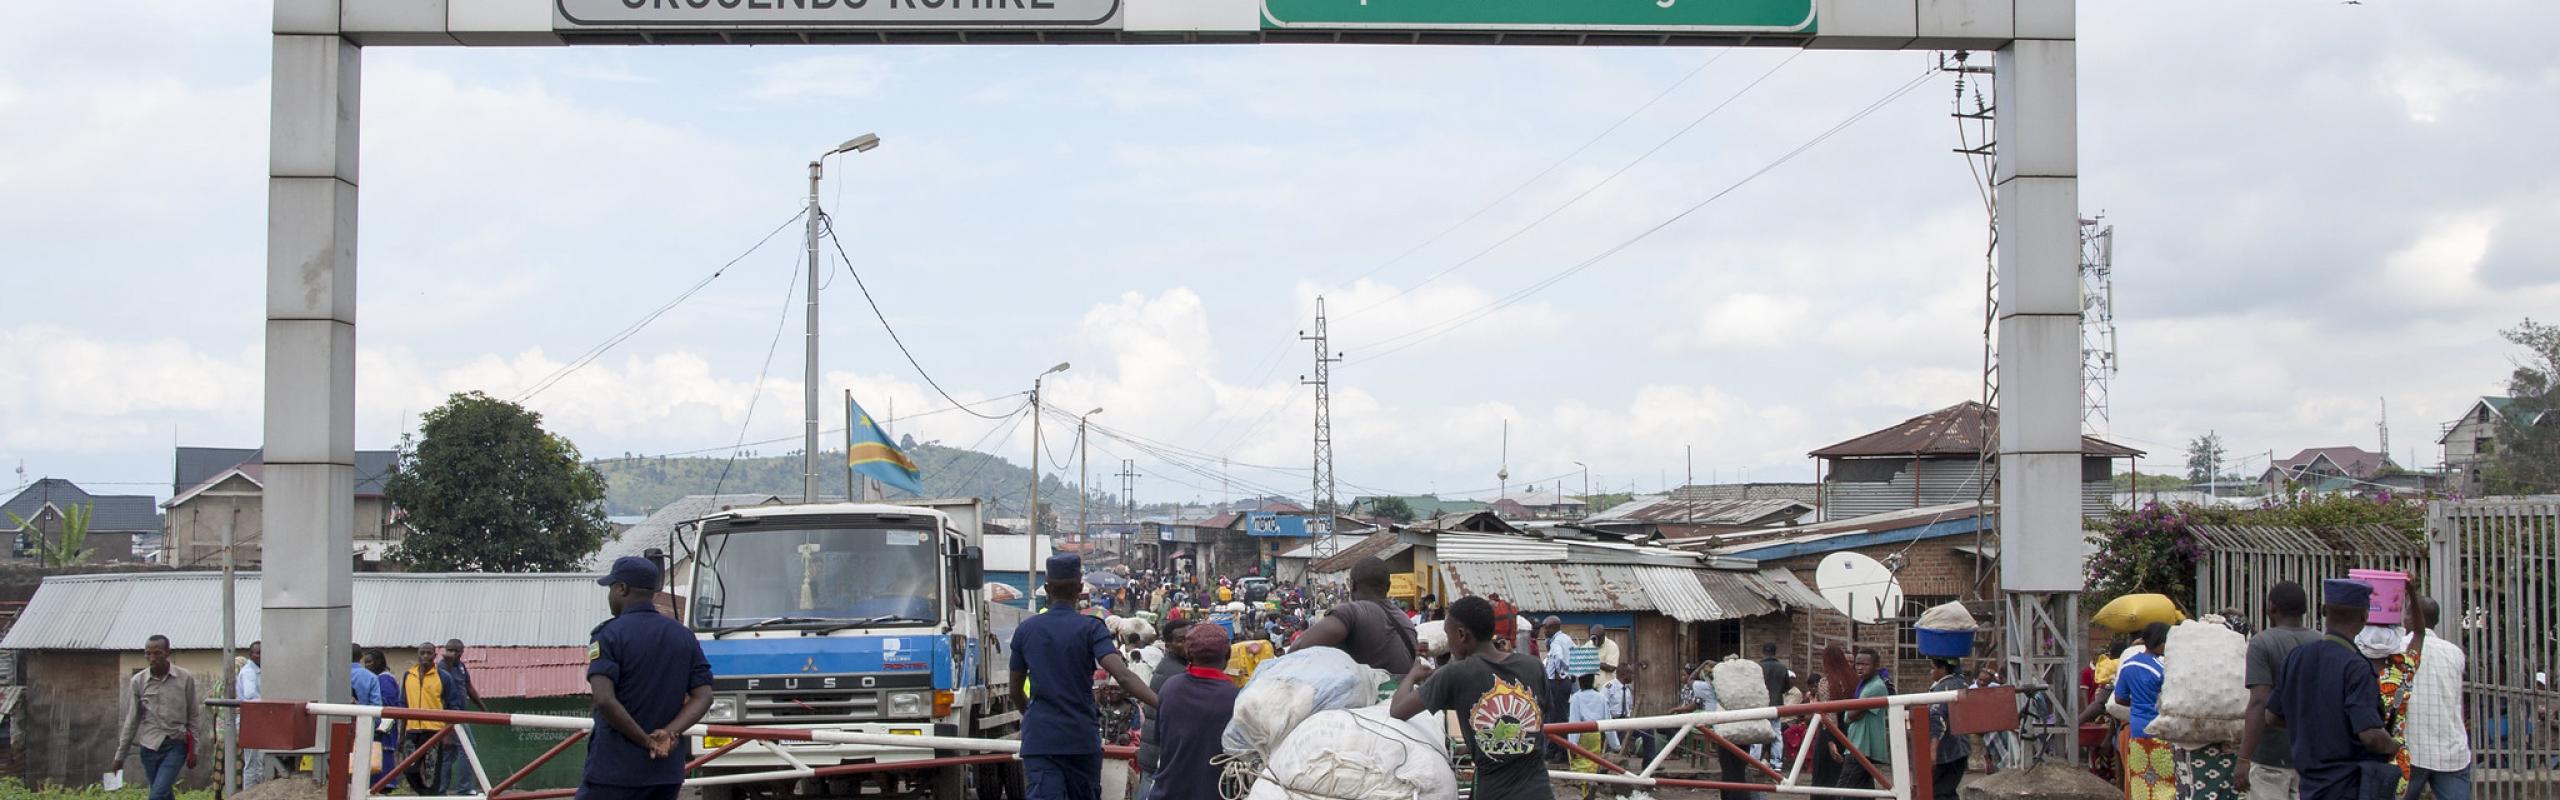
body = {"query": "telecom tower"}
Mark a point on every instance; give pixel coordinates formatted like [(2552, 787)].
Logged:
[(2097, 321), (1322, 492)]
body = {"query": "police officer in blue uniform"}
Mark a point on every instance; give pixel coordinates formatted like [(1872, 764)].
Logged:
[(650, 683), (2328, 696), (1061, 728)]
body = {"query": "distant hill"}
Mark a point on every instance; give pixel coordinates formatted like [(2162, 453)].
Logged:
[(638, 485)]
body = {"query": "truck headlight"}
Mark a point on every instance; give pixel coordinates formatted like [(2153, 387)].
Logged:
[(906, 704), (723, 709)]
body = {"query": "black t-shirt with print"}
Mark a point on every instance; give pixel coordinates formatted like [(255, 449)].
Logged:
[(1496, 700)]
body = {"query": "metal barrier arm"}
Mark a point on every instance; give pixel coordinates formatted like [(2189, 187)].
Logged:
[(1895, 707)]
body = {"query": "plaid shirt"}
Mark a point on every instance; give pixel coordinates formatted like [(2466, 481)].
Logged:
[(2437, 740)]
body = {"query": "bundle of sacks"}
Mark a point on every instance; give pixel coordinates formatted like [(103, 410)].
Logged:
[(1740, 685), (1135, 628), (2203, 693), (1308, 717)]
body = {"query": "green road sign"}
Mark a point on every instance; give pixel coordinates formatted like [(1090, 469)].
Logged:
[(1665, 16)]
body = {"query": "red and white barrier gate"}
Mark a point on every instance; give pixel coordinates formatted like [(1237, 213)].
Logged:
[(274, 725), (1970, 711)]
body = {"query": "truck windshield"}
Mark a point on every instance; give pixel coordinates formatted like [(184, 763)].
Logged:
[(814, 577)]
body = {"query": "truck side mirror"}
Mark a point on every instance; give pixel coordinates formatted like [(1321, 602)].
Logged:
[(972, 567)]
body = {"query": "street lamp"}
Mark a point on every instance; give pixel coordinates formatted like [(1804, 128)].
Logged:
[(1084, 472), (809, 381), (1031, 568), (1586, 486)]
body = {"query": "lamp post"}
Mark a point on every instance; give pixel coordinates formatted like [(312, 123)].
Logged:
[(1031, 567), (1586, 486), (1084, 472), (809, 381)]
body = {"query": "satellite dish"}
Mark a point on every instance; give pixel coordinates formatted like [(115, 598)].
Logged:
[(1858, 586)]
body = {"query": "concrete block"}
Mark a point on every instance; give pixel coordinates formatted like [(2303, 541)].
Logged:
[(1862, 25), (2040, 384), (311, 395), (1230, 16), (2040, 535), (2043, 781), (311, 249), (316, 17), (310, 526), (317, 92), (2038, 122), (306, 652), (2047, 19), (394, 22), (2040, 246), (1965, 24)]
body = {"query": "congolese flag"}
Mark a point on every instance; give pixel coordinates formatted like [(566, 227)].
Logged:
[(874, 457)]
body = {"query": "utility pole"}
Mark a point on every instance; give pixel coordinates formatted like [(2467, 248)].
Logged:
[(1128, 504), (1689, 463), (1502, 477), (1031, 561), (809, 375), (1321, 494)]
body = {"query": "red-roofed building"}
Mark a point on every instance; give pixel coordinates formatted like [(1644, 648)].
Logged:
[(2320, 464), (1937, 458)]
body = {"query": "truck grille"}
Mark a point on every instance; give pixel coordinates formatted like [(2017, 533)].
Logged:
[(811, 706)]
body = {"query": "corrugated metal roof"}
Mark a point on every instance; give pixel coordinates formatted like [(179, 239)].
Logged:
[(1703, 512), (527, 671), (119, 611), (1789, 591), (1383, 544), (1455, 546), (1954, 430), (1688, 595)]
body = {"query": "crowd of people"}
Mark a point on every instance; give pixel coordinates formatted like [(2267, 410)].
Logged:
[(2352, 711)]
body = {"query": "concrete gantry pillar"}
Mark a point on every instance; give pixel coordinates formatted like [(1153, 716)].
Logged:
[(2036, 178), (308, 541)]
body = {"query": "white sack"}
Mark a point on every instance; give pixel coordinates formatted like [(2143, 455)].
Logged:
[(2202, 675), (1740, 684), (2191, 732), (1286, 690), (1360, 754), (1433, 636), (1947, 617)]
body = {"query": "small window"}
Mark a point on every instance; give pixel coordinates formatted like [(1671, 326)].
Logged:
[(2484, 415)]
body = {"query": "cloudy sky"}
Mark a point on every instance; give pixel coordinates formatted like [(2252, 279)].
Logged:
[(2319, 208)]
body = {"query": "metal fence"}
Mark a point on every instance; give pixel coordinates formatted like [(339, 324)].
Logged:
[(2241, 562), (2496, 571)]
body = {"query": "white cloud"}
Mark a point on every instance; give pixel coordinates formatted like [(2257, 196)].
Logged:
[(828, 77), (2429, 86), (1750, 321)]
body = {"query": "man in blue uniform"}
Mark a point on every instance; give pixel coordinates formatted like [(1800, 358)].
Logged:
[(2328, 697), (1061, 729), (650, 683)]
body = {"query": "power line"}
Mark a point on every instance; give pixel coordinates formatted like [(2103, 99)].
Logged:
[(1551, 168), (829, 220), (598, 351), (756, 394), (1586, 191), (796, 437), (1435, 331)]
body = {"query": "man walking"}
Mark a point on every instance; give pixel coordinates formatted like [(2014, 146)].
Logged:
[(2439, 746), (2265, 766), (1058, 650), (1365, 627), (1867, 730), (159, 719), (649, 682), (1559, 668), (2327, 695), (1176, 661), (459, 695), (250, 685), (1953, 751), (1495, 692), (1196, 707), (423, 685)]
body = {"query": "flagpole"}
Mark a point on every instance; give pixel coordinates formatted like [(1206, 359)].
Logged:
[(849, 493)]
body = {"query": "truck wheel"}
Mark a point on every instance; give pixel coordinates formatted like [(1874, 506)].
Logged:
[(1001, 781), (720, 792)]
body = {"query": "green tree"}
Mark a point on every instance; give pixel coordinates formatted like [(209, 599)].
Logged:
[(1393, 508), (2204, 458), (486, 489), (2148, 482), (65, 548), (2527, 460)]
